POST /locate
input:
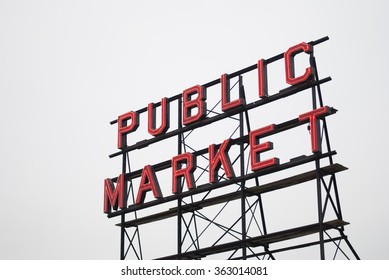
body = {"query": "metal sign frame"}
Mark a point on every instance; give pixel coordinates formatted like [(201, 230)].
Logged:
[(190, 204)]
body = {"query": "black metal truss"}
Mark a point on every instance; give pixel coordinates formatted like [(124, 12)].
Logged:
[(236, 240)]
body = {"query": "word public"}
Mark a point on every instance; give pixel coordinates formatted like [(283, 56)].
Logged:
[(194, 110)]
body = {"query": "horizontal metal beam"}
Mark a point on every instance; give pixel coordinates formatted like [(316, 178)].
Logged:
[(263, 240), (295, 247), (256, 190)]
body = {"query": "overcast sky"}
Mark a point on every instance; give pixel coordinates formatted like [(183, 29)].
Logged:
[(67, 68)]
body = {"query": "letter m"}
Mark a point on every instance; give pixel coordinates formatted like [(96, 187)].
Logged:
[(114, 197)]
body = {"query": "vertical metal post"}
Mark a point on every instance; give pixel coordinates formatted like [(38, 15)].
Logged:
[(260, 203), (320, 209), (123, 218), (327, 138), (317, 164), (242, 172), (122, 237), (179, 200), (326, 135)]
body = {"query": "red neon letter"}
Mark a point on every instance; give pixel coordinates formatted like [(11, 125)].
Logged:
[(313, 121), (256, 148), (152, 119), (123, 129), (186, 172), (226, 95), (114, 197), (148, 182), (289, 64), (219, 158), (190, 104), (262, 78)]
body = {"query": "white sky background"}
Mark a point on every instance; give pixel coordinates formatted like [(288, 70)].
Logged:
[(67, 68)]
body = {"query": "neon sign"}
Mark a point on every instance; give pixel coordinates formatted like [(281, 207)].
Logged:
[(193, 108)]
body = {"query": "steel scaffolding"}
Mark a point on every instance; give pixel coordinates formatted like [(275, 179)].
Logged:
[(243, 232)]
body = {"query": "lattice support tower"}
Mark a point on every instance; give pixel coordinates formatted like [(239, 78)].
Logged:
[(201, 234)]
